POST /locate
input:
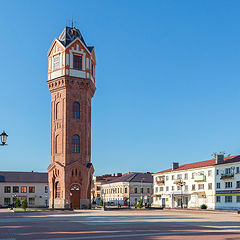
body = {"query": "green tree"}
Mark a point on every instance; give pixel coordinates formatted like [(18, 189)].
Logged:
[(101, 202), (24, 204), (140, 204), (203, 206), (18, 203)]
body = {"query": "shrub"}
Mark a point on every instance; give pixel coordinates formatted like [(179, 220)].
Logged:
[(203, 206), (101, 202), (24, 204), (140, 204), (18, 203)]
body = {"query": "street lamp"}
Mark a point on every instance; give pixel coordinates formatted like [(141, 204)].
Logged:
[(3, 138), (181, 183), (70, 200)]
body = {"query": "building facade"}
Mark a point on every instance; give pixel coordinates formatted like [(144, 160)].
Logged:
[(32, 186), (192, 185), (98, 181), (71, 81), (129, 188), (227, 180)]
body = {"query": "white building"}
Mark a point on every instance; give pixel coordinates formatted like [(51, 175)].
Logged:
[(194, 184), (32, 186), (228, 183), (129, 187)]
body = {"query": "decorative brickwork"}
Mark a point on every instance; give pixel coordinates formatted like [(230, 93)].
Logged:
[(70, 171)]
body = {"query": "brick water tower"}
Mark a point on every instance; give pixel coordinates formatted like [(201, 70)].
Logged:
[(71, 82)]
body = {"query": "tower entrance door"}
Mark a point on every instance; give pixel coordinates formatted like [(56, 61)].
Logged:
[(75, 196)]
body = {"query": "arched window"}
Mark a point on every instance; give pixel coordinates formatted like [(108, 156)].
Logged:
[(58, 190), (76, 110), (57, 144), (76, 144), (58, 110)]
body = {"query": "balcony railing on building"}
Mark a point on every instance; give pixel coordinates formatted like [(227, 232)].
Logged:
[(160, 182), (227, 175), (200, 178)]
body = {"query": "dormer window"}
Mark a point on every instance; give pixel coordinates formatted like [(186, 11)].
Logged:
[(77, 62), (55, 62)]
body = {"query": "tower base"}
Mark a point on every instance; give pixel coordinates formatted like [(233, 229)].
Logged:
[(62, 204)]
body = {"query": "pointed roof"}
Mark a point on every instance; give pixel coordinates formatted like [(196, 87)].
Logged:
[(69, 34)]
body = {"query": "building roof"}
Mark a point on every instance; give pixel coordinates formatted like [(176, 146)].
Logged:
[(134, 177), (107, 177), (206, 163), (23, 177), (69, 34)]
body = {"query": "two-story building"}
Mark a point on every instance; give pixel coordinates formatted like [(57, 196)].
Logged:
[(32, 186), (129, 188), (96, 191)]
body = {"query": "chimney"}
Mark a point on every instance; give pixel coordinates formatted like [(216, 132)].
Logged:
[(219, 158), (175, 165)]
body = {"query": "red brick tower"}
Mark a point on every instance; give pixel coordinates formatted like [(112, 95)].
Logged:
[(71, 81)]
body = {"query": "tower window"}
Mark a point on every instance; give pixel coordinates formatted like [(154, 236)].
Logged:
[(77, 62), (76, 110), (55, 62), (58, 110), (76, 144)]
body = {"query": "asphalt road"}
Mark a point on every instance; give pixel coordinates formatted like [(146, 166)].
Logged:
[(123, 224)]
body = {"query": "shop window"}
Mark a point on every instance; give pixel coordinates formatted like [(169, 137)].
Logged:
[(31, 201), (7, 201), (228, 199)]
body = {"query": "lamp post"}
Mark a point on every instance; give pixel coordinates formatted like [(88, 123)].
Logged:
[(181, 183), (70, 200), (46, 200), (3, 138)]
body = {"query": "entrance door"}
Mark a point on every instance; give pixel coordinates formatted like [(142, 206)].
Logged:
[(75, 196), (186, 201), (179, 201)]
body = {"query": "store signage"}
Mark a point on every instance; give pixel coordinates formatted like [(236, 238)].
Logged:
[(228, 192)]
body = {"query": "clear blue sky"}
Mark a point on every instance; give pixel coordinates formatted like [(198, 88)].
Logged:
[(168, 81)]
